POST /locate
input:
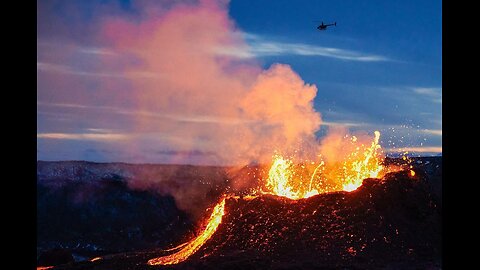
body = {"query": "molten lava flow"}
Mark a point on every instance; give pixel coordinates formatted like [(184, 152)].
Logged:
[(193, 245), (298, 181)]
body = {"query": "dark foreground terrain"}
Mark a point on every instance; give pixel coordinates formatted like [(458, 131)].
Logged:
[(87, 209), (393, 223)]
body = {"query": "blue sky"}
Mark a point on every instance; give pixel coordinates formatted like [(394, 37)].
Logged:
[(403, 88), (380, 68)]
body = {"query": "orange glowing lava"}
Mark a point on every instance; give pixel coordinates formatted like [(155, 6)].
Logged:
[(189, 248), (363, 163), (302, 181), (281, 181)]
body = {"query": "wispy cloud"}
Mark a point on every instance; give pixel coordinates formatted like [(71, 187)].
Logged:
[(99, 130), (83, 136), (185, 153), (434, 93), (429, 91), (193, 118), (433, 131), (258, 46), (74, 47), (96, 51), (64, 105), (64, 69), (343, 124), (419, 149)]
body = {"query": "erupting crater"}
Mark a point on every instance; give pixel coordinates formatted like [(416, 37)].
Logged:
[(287, 184)]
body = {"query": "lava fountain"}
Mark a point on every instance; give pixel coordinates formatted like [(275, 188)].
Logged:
[(299, 181)]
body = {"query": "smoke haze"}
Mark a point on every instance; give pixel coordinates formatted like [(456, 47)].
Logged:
[(173, 91)]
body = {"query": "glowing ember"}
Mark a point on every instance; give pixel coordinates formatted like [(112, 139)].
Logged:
[(44, 267), (193, 245), (289, 180), (96, 259), (412, 172)]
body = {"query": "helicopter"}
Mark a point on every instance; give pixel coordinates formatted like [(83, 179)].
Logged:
[(324, 26)]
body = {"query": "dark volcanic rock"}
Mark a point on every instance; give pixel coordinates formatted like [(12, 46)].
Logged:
[(55, 256), (93, 208), (95, 218), (393, 223), (193, 187), (383, 222)]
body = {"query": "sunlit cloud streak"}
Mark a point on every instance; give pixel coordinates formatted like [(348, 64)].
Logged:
[(258, 47)]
